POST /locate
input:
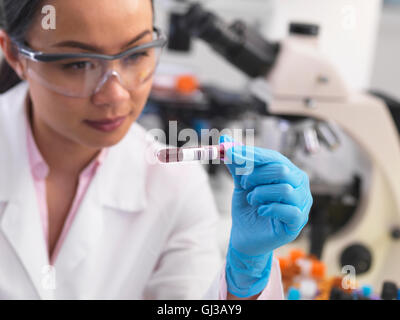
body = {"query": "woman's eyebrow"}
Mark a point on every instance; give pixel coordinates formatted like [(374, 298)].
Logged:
[(85, 46)]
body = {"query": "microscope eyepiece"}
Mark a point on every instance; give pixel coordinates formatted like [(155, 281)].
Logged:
[(241, 45)]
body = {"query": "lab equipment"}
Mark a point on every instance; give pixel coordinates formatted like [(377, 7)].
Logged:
[(244, 47), (389, 291), (293, 294), (315, 284), (270, 206), (80, 75), (308, 288), (366, 290), (202, 153), (320, 93)]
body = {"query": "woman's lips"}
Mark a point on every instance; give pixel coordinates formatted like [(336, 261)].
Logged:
[(106, 125)]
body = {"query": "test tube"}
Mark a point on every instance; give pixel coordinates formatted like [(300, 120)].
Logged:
[(202, 153)]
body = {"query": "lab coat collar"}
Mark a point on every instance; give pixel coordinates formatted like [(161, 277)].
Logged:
[(119, 184), (119, 187), (20, 223), (123, 174)]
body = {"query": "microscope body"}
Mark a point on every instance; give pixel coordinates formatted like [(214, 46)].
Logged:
[(304, 83)]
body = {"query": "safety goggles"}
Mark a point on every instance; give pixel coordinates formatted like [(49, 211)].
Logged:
[(81, 75)]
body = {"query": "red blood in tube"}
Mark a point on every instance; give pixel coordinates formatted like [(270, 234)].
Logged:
[(222, 153), (177, 154), (170, 155)]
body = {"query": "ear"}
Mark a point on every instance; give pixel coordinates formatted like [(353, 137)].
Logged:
[(10, 55)]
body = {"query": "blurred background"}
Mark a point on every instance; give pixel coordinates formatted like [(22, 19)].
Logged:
[(317, 80), (385, 70)]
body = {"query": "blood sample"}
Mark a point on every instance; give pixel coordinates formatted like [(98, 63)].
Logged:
[(203, 153)]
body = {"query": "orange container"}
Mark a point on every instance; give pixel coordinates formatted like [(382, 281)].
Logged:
[(296, 254), (284, 263), (318, 269), (186, 84)]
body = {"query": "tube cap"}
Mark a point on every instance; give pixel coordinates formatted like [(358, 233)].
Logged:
[(366, 291), (293, 294)]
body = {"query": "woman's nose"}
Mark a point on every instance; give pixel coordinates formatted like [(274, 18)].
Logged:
[(110, 90)]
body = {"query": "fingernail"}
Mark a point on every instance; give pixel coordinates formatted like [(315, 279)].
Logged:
[(243, 183), (262, 211), (249, 198)]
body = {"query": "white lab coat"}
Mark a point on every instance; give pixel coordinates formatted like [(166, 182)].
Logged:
[(143, 230)]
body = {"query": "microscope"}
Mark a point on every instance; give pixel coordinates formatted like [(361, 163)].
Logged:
[(356, 221)]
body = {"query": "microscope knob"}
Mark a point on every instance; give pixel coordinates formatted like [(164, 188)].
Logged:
[(395, 233), (389, 291), (358, 256), (304, 29)]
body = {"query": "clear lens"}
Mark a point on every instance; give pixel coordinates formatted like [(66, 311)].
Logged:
[(81, 77), (139, 67), (70, 77)]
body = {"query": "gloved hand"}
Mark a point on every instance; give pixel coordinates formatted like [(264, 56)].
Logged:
[(270, 206)]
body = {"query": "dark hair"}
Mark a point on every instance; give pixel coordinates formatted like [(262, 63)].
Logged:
[(16, 17)]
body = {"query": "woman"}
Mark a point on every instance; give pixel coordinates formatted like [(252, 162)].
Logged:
[(83, 214)]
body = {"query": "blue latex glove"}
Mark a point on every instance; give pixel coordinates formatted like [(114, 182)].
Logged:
[(270, 206)]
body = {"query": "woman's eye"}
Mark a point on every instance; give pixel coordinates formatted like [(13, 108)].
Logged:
[(136, 56), (79, 65)]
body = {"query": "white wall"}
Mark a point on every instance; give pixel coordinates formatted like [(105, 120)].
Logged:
[(386, 71)]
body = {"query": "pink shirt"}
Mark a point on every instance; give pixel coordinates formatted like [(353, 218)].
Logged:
[(40, 172)]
